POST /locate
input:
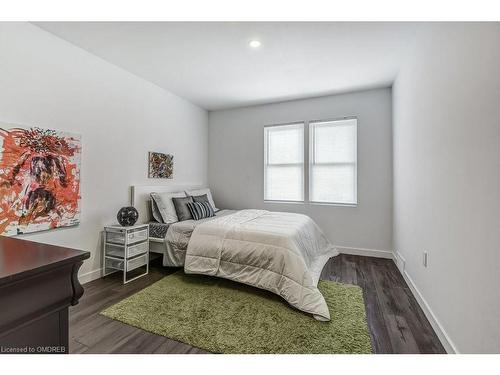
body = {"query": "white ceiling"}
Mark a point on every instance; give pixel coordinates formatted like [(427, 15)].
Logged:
[(211, 64)]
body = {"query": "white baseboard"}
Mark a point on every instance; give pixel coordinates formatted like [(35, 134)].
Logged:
[(400, 261), (449, 346), (90, 276), (387, 254)]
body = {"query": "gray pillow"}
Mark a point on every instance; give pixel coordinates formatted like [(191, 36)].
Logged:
[(206, 191), (201, 198), (181, 208)]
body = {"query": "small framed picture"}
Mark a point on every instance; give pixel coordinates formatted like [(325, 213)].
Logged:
[(160, 165)]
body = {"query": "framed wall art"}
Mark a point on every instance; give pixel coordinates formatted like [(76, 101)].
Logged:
[(39, 179), (161, 165)]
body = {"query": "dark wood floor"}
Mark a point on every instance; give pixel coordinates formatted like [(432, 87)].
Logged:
[(396, 322)]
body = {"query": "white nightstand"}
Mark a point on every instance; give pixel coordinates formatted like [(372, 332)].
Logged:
[(126, 249)]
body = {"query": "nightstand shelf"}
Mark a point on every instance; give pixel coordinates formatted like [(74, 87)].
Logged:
[(126, 249)]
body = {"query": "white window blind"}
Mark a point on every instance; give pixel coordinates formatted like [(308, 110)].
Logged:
[(284, 162), (333, 161)]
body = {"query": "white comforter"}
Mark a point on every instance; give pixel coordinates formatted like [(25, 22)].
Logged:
[(280, 252), (178, 236)]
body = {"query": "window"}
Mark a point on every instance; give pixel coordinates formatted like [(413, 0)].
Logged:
[(284, 162), (333, 161)]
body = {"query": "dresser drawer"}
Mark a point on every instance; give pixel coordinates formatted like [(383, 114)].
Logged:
[(139, 261), (117, 264), (118, 251), (132, 264), (133, 236), (140, 248), (139, 235)]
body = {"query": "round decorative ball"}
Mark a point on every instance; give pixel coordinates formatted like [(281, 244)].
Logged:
[(127, 216)]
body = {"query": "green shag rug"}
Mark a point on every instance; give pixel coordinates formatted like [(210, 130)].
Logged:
[(222, 316)]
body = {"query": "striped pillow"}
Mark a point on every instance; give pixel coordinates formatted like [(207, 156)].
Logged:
[(200, 210)]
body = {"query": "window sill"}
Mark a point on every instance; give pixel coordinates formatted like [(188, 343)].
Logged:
[(285, 202), (354, 205), (333, 204)]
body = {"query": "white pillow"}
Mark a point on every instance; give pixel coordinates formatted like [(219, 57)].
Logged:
[(166, 206), (196, 192)]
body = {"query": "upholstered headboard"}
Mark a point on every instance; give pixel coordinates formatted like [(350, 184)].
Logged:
[(140, 197)]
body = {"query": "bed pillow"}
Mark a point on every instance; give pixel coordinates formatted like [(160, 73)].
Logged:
[(198, 192), (181, 208), (165, 207), (201, 210), (201, 199), (154, 211)]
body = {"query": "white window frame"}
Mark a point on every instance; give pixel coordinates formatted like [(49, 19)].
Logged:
[(303, 164), (311, 162), (308, 150)]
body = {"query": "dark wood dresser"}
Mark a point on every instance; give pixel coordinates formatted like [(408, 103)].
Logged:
[(38, 283)]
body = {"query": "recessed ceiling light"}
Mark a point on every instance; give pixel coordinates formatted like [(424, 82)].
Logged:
[(254, 43)]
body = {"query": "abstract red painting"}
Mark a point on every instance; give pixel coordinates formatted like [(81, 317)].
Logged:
[(39, 179)]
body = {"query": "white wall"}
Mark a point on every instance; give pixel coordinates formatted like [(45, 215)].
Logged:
[(236, 159), (447, 178), (50, 83)]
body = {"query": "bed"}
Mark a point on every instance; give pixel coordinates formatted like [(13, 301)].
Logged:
[(276, 251)]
